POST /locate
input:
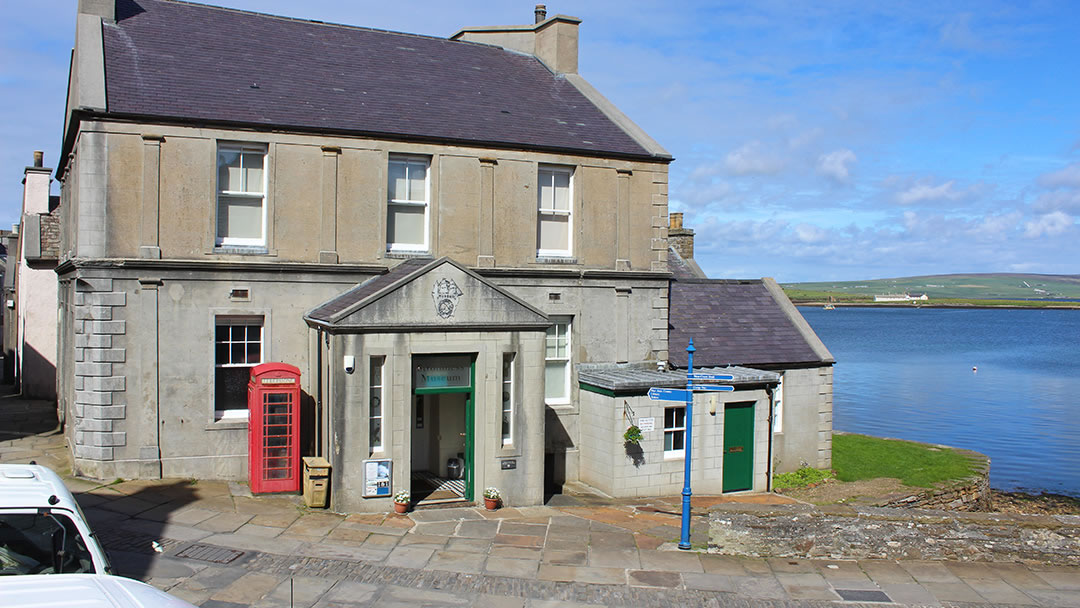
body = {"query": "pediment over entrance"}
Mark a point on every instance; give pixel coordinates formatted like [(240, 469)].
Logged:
[(426, 295)]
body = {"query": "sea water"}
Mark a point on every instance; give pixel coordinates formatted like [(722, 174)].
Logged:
[(1002, 382)]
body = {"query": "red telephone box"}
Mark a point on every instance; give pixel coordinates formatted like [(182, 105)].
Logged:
[(274, 428)]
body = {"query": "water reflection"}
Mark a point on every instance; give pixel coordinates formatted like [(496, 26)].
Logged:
[(908, 373)]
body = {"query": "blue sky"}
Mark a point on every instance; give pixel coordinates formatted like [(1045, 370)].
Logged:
[(813, 140)]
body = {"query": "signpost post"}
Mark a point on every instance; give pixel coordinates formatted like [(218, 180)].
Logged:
[(675, 394)]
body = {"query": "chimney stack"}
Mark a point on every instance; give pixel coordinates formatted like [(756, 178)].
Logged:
[(553, 40), (680, 239)]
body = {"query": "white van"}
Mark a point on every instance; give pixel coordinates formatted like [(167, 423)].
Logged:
[(42, 528), (84, 591)]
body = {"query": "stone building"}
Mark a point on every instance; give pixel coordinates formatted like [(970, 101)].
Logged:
[(221, 208), (30, 288), (443, 235)]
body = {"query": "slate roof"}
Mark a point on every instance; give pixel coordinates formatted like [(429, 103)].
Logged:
[(636, 379), (736, 322), (177, 60), (326, 311)]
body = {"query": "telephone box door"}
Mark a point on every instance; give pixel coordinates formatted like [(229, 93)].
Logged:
[(274, 428)]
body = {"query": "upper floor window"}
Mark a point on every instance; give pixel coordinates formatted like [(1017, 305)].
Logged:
[(407, 207), (557, 361), (241, 195), (555, 222)]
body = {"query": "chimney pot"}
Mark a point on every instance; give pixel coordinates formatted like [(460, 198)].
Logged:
[(541, 12), (676, 220), (680, 239), (39, 158)]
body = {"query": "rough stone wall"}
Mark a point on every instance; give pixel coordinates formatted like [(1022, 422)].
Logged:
[(99, 379), (843, 532), (971, 494)]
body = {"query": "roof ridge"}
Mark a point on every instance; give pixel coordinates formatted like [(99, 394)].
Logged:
[(328, 23)]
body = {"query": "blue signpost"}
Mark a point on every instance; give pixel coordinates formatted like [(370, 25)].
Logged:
[(675, 394)]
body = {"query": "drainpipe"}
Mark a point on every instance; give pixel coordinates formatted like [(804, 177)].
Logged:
[(318, 390), (769, 463)]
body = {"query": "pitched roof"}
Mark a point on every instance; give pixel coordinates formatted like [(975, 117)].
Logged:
[(739, 322), (625, 378), (329, 311), (177, 60)]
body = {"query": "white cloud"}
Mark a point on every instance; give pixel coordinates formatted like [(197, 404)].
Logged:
[(808, 233), (752, 158), (921, 193), (834, 165), (1050, 224), (1061, 200), (1069, 177)]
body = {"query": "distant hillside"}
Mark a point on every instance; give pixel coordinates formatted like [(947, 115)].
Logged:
[(992, 286)]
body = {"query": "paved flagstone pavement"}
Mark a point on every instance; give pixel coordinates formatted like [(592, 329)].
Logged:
[(222, 548)]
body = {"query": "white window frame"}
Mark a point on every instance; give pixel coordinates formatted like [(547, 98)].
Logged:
[(377, 390), (506, 422), (410, 202), (557, 321), (241, 149), (778, 407), (236, 415), (547, 171), (672, 430)]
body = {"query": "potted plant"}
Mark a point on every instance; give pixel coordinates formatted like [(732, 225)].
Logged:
[(633, 435), (401, 501), (492, 498)]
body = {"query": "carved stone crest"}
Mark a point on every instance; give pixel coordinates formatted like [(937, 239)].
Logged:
[(446, 294)]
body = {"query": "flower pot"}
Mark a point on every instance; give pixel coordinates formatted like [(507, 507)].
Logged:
[(491, 503), (401, 507)]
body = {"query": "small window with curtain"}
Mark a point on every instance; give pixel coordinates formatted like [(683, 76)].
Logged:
[(407, 205), (554, 217), (241, 195), (375, 404), (674, 432), (508, 399)]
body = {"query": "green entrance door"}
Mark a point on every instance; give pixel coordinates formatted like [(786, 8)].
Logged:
[(738, 446), (444, 375)]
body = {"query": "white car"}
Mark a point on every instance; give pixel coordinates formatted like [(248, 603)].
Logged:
[(42, 528), (84, 591)]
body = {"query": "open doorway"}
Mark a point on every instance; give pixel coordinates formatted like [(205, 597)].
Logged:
[(439, 447)]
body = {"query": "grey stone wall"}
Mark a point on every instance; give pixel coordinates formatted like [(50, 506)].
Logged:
[(642, 470), (842, 532), (971, 494), (806, 435), (99, 381)]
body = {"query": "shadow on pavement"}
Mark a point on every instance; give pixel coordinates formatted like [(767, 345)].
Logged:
[(130, 520)]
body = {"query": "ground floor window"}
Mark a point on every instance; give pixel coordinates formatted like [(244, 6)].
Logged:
[(557, 349), (508, 399), (778, 407), (238, 346), (674, 432), (375, 404)]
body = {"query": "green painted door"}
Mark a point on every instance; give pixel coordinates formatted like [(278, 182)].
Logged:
[(470, 419), (738, 446)]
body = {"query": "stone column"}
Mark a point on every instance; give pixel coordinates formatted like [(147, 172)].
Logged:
[(149, 233), (486, 247), (328, 237), (622, 234), (148, 415)]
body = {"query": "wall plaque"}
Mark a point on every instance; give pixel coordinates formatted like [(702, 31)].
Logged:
[(508, 464), (646, 424)]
